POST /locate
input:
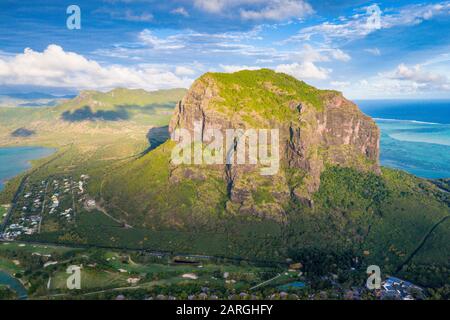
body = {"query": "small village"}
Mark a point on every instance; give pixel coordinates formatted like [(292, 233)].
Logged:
[(398, 289), (55, 199)]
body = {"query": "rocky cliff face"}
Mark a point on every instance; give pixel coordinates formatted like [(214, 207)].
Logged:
[(317, 128)]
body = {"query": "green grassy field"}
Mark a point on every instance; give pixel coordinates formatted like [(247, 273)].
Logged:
[(91, 280), (112, 271), (30, 248), (108, 273), (9, 266)]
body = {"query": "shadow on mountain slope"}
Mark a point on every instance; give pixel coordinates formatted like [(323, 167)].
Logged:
[(86, 114), (149, 108), (22, 133), (156, 137)]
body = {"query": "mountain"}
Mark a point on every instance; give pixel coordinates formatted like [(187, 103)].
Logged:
[(329, 205), (316, 127)]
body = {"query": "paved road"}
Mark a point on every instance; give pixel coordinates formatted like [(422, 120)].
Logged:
[(14, 203)]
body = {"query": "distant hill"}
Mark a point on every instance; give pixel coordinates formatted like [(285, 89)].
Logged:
[(35, 95), (31, 100), (125, 98), (116, 105)]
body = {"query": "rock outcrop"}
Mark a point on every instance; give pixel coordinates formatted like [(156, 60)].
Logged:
[(316, 128)]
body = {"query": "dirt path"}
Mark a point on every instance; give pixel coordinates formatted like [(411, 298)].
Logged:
[(43, 208), (422, 243), (266, 282), (103, 210)]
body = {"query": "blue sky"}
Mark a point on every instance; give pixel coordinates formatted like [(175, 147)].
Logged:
[(367, 49)]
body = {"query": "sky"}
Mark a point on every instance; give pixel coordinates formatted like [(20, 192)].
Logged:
[(366, 49)]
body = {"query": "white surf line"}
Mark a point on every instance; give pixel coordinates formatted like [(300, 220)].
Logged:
[(265, 282), (412, 121)]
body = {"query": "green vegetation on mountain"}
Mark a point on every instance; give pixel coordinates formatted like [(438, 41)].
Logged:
[(264, 91)]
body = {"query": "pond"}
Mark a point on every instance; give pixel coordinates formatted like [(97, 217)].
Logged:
[(293, 285), (14, 284)]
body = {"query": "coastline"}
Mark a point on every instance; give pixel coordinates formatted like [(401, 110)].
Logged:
[(15, 284), (28, 163)]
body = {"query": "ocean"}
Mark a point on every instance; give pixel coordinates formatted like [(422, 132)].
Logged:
[(15, 160), (415, 135)]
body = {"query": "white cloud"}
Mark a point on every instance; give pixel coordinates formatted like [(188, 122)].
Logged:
[(169, 43), (305, 70), (421, 78), (57, 68), (279, 10), (415, 14), (309, 53), (338, 54), (305, 61), (386, 87), (235, 68), (360, 25), (373, 51), (276, 10), (142, 17), (204, 42), (184, 71), (181, 11), (442, 59), (340, 84), (213, 6), (195, 45), (128, 15), (402, 82)]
